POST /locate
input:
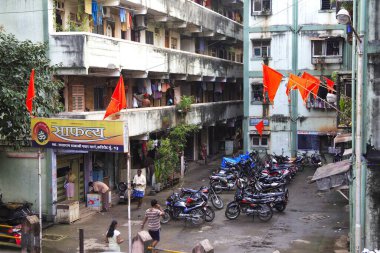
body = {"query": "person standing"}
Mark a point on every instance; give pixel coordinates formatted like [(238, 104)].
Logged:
[(113, 237), (152, 216), (70, 184), (140, 183), (102, 188), (204, 152)]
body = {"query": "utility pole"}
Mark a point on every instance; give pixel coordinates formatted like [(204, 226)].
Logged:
[(294, 94)]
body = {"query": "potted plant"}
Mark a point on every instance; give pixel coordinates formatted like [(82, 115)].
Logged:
[(184, 105)]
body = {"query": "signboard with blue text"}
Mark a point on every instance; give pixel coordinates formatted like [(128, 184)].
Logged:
[(255, 121)]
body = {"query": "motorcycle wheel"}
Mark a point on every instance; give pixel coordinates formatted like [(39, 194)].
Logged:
[(209, 214), (266, 213), (197, 217), (232, 211), (217, 202), (217, 186), (166, 217), (280, 207)]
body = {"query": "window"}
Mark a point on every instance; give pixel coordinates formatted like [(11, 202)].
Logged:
[(332, 47), (261, 7), (261, 48), (149, 37), (328, 4), (308, 142), (259, 141), (327, 51), (174, 43), (256, 92), (99, 98), (78, 98)]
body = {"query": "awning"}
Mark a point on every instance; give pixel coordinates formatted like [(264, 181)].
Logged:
[(331, 169), (342, 138)]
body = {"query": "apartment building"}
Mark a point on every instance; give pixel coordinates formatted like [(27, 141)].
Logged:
[(292, 37), (164, 49)]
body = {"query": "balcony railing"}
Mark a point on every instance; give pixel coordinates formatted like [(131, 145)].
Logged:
[(147, 120), (77, 52)]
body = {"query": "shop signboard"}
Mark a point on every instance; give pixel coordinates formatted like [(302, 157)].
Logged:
[(255, 121), (74, 134)]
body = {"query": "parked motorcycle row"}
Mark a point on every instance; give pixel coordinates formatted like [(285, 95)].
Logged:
[(260, 186)]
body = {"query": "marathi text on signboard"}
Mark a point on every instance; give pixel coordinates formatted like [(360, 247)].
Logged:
[(87, 135)]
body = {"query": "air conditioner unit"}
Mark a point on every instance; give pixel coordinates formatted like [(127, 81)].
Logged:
[(106, 12), (140, 22)]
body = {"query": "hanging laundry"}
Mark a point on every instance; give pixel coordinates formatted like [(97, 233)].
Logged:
[(124, 27), (165, 86), (129, 20), (159, 86), (148, 87), (135, 104), (95, 12), (202, 47), (122, 13), (204, 86), (88, 7), (218, 88)]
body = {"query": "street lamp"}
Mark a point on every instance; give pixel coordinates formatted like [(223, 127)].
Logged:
[(344, 18)]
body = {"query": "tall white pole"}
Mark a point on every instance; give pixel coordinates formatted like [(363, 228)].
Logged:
[(358, 149), (129, 199), (40, 196)]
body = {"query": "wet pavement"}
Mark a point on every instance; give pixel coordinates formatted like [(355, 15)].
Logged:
[(312, 222)]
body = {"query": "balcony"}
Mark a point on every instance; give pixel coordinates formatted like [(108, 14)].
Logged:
[(190, 13), (81, 53), (147, 120)]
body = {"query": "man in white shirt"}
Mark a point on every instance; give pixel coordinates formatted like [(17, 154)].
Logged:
[(139, 182)]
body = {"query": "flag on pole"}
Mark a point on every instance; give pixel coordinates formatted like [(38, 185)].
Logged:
[(330, 84), (260, 127), (30, 94), (118, 100), (314, 83), (271, 80)]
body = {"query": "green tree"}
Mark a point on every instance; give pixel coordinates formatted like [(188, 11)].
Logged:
[(17, 59)]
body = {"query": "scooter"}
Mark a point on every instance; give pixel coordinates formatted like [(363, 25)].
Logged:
[(123, 192)]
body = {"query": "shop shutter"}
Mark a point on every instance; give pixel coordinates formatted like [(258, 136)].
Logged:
[(78, 98)]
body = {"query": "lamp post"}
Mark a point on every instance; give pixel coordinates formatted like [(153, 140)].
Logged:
[(344, 18)]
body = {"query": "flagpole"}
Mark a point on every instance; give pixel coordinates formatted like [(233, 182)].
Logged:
[(40, 197), (129, 197)]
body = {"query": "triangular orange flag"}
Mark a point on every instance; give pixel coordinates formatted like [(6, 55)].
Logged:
[(330, 84), (271, 80), (118, 100), (290, 86), (260, 127), (315, 82), (301, 85), (30, 94)]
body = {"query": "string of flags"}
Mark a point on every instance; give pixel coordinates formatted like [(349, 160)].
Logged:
[(306, 84)]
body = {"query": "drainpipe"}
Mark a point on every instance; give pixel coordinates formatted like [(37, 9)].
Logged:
[(246, 87), (294, 95), (353, 120), (363, 89)]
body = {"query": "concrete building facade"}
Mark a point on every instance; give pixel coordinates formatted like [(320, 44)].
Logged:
[(291, 37), (163, 48)]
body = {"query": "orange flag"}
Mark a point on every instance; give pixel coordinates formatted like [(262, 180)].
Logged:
[(271, 80), (118, 100), (301, 85), (30, 94), (260, 127), (314, 83), (330, 84)]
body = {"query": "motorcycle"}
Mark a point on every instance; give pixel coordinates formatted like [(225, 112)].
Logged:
[(123, 192), (220, 182), (176, 208), (280, 199), (14, 233), (209, 192), (249, 206), (14, 213)]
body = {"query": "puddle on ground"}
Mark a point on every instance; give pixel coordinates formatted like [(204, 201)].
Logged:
[(53, 237)]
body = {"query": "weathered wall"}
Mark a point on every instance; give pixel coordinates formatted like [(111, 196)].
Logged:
[(19, 178), (21, 25), (79, 51)]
